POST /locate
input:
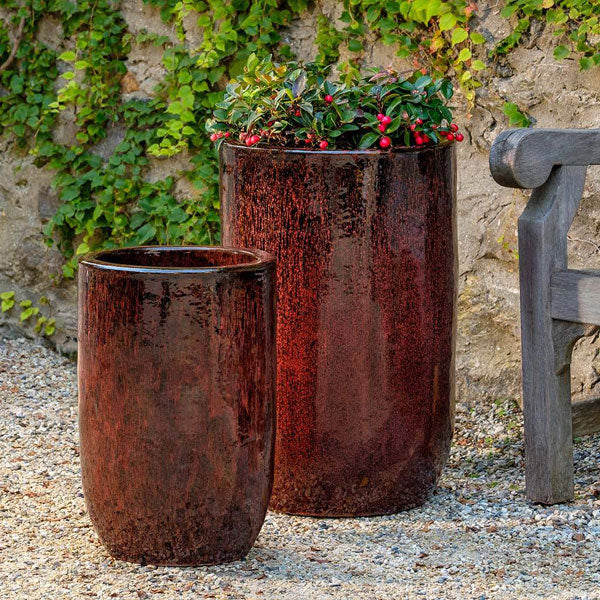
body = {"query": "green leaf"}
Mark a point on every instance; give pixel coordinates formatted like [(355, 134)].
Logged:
[(477, 38), (464, 55), (515, 116), (447, 89), (368, 140), (447, 21), (355, 45), (27, 313), (145, 233), (50, 327), (459, 35), (83, 248), (67, 56), (68, 271), (561, 52)]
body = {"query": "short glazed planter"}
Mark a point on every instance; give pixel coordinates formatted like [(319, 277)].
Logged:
[(366, 249), (176, 400)]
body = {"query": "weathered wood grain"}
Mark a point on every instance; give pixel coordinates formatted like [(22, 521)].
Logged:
[(543, 230), (575, 296), (524, 158)]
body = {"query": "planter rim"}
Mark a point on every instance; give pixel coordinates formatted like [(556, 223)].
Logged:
[(256, 260), (369, 151)]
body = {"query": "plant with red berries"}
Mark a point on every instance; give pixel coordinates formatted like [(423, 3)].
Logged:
[(295, 105)]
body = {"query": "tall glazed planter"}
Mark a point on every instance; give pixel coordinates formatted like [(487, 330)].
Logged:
[(176, 400), (366, 249)]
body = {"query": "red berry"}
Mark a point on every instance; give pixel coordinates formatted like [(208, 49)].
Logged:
[(380, 116), (214, 137), (255, 139), (419, 140), (426, 139), (328, 98), (419, 121), (413, 127), (297, 113), (381, 127), (243, 136), (227, 133), (386, 120), (434, 127), (385, 142), (450, 137), (323, 144), (459, 137), (453, 127), (249, 141)]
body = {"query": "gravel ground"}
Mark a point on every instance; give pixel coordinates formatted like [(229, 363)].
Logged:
[(477, 538)]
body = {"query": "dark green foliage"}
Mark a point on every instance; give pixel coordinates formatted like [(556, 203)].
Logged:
[(294, 104)]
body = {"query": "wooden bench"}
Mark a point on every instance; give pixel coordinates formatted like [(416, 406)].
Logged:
[(558, 305)]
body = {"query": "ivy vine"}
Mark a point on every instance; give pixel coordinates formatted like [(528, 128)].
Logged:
[(574, 22), (434, 34)]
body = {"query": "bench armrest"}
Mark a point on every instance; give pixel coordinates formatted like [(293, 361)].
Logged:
[(524, 158)]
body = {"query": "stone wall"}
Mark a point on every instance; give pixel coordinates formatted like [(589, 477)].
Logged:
[(555, 94)]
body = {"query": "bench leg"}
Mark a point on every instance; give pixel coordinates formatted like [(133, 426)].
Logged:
[(548, 429), (546, 344)]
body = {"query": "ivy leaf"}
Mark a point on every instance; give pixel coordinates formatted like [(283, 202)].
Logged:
[(447, 21), (39, 323), (68, 270), (68, 56), (145, 233), (83, 248), (464, 55), (355, 45), (27, 313), (515, 116), (459, 35), (8, 300), (561, 52), (50, 327), (433, 8)]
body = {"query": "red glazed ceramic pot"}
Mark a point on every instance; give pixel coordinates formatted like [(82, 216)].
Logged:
[(366, 248), (176, 400)]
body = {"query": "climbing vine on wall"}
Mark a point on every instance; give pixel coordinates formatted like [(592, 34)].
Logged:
[(576, 23), (109, 199), (433, 34)]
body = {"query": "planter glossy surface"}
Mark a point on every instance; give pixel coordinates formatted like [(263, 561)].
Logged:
[(366, 251), (176, 400)]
